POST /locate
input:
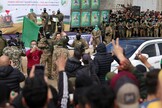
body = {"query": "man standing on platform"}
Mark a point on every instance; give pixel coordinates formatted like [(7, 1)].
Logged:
[(32, 16), (96, 36), (108, 33), (79, 42), (59, 48), (136, 28), (46, 46), (44, 17), (60, 17), (54, 20)]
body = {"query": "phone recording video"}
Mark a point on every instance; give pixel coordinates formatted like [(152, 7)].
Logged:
[(39, 70)]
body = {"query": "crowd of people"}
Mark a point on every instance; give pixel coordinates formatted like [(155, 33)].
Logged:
[(128, 23), (50, 22), (83, 82)]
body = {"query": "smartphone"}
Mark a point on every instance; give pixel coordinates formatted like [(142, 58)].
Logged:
[(39, 70)]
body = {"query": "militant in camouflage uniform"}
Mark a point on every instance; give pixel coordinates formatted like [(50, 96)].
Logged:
[(108, 33), (45, 18), (78, 42), (121, 29), (113, 25), (103, 28), (14, 54), (32, 16), (96, 35), (59, 48), (143, 28), (129, 27), (3, 43), (160, 28), (60, 17), (136, 28), (156, 29), (150, 29), (46, 58)]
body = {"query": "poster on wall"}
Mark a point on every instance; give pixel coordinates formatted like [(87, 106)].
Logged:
[(75, 4), (13, 11), (85, 19), (85, 4), (104, 15), (95, 4), (75, 19), (95, 18)]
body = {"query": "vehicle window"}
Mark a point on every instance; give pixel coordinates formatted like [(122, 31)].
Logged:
[(129, 46), (160, 48), (150, 50)]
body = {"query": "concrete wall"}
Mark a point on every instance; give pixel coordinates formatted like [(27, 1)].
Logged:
[(145, 4), (107, 4)]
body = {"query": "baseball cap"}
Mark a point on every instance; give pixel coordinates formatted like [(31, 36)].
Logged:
[(127, 96), (122, 78)]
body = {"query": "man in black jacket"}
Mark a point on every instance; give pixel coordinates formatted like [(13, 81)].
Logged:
[(73, 64), (10, 76), (102, 62)]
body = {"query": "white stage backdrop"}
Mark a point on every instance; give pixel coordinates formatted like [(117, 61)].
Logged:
[(20, 8)]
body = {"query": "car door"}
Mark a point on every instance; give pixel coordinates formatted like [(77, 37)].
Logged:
[(160, 53), (153, 52)]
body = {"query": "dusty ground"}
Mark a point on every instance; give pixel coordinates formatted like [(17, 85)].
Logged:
[(51, 82)]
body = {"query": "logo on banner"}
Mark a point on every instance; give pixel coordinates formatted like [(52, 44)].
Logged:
[(64, 2)]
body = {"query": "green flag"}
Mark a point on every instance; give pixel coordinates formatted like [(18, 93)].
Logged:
[(30, 31)]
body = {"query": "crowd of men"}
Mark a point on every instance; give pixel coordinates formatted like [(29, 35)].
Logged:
[(126, 24), (55, 20), (82, 82)]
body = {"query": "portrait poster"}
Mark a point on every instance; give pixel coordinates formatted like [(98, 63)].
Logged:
[(95, 4), (75, 4), (75, 19), (85, 4), (85, 19), (95, 18)]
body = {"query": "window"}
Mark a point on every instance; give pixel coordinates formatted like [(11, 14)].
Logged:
[(150, 50), (160, 48)]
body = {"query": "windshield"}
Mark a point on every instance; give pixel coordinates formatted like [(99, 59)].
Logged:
[(130, 46)]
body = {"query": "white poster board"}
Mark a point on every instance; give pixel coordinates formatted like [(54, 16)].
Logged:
[(19, 8)]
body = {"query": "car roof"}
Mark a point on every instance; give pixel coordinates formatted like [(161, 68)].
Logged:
[(141, 38)]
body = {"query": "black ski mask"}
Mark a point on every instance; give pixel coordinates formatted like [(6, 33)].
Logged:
[(44, 10), (78, 36)]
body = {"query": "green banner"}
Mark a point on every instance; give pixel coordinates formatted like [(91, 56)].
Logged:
[(75, 4), (85, 19), (30, 31), (95, 4), (104, 15), (95, 18), (85, 4), (75, 19)]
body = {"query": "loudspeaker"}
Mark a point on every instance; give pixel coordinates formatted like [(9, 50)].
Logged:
[(136, 10)]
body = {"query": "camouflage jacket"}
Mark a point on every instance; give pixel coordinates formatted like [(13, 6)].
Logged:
[(46, 46), (14, 54), (80, 42), (2, 43)]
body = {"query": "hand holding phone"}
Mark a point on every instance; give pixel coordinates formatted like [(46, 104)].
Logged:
[(39, 70)]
